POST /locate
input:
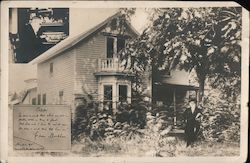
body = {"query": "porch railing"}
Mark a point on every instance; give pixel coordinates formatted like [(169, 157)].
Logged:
[(110, 64)]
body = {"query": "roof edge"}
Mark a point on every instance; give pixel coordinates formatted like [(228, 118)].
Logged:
[(55, 50)]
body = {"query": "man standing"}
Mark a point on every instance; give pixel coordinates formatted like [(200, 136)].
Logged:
[(30, 41), (192, 117)]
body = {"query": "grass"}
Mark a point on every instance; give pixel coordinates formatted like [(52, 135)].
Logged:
[(152, 147), (142, 147)]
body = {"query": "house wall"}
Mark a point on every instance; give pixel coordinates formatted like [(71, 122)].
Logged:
[(180, 77), (60, 80), (86, 63)]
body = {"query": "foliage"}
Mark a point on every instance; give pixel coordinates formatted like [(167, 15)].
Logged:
[(153, 141), (82, 119), (92, 121), (104, 134), (204, 39), (118, 24), (18, 96), (221, 120)]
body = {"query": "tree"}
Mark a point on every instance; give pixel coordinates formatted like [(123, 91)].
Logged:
[(206, 40), (213, 44)]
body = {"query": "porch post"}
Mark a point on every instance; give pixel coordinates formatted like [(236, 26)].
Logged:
[(115, 96), (174, 101), (197, 98)]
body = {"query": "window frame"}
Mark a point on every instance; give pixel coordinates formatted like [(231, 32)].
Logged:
[(33, 101), (39, 99), (44, 99), (61, 96), (115, 45), (51, 68), (119, 95), (107, 47), (117, 42), (108, 100)]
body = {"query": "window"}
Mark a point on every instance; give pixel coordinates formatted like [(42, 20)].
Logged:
[(38, 99), (110, 47), (33, 101), (123, 92), (114, 45), (108, 96), (44, 99), (120, 44), (51, 68), (60, 97)]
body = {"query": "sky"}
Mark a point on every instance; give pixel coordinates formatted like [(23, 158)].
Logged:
[(83, 19), (139, 20), (18, 73)]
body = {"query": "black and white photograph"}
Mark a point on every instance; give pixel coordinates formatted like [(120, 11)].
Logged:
[(35, 30), (112, 80)]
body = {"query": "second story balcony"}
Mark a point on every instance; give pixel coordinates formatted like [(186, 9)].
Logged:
[(111, 66)]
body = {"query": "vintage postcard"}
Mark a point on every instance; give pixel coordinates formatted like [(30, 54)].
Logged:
[(124, 81)]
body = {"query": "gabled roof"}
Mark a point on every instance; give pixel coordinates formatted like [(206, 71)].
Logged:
[(71, 41)]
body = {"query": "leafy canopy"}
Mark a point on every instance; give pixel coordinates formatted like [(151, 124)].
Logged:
[(206, 40)]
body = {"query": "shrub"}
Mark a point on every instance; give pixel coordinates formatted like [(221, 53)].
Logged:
[(221, 120), (93, 122), (84, 115)]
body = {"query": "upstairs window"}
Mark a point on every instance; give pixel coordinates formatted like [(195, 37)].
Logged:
[(110, 47), (114, 45), (120, 44), (51, 68)]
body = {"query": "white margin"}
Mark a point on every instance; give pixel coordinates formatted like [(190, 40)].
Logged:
[(117, 4)]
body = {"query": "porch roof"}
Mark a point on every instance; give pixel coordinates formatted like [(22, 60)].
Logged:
[(114, 74), (177, 86)]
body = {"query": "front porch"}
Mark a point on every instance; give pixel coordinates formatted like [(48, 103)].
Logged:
[(172, 100)]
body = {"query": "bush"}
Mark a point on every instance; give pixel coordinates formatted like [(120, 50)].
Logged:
[(221, 120), (84, 116), (93, 122)]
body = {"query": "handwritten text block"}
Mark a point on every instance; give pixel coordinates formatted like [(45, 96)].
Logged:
[(45, 127)]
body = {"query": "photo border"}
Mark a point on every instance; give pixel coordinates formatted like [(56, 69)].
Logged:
[(5, 5)]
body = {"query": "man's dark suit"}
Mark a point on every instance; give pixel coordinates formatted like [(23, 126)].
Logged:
[(192, 125), (30, 45)]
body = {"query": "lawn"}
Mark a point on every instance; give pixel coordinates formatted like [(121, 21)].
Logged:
[(142, 147), (152, 147)]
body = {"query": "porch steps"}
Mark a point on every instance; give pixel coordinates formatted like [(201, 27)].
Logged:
[(176, 132)]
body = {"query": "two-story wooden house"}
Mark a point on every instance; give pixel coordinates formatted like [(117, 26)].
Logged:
[(88, 64)]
